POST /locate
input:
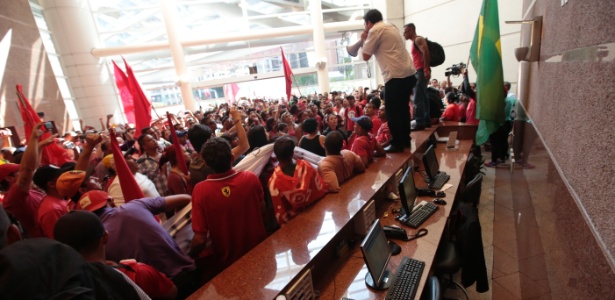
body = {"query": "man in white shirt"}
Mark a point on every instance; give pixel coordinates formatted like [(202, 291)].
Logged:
[(384, 41)]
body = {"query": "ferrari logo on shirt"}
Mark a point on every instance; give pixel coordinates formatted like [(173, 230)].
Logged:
[(226, 191)]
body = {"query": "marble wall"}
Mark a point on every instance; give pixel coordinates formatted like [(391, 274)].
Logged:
[(23, 60), (570, 95)]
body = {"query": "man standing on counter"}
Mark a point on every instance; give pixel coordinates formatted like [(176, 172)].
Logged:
[(384, 41)]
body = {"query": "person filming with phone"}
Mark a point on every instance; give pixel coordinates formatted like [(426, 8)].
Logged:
[(384, 41)]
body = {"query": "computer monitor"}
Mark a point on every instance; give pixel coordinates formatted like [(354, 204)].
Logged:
[(431, 163), (407, 191), (376, 254)]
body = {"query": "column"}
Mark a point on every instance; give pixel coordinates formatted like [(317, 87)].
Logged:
[(322, 66), (75, 35), (169, 12)]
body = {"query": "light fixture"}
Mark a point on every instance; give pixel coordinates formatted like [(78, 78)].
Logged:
[(530, 52)]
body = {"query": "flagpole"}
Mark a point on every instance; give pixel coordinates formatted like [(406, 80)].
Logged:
[(296, 85)]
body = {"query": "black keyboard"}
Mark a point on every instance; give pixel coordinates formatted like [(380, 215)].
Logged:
[(439, 181), (419, 215), (406, 279)]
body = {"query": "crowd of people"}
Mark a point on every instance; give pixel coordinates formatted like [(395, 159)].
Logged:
[(117, 247)]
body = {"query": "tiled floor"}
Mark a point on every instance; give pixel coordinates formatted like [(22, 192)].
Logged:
[(536, 243)]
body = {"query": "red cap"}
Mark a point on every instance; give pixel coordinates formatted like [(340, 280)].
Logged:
[(93, 200), (8, 169)]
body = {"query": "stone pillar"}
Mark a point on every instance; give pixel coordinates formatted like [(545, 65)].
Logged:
[(322, 65), (177, 52), (75, 36)]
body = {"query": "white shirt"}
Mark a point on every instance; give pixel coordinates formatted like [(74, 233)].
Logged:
[(386, 43), (147, 187)]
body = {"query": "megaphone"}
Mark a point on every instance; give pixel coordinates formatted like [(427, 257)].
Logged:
[(354, 49)]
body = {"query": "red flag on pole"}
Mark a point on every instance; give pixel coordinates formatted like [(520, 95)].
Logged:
[(288, 72), (179, 152), (230, 91), (52, 154), (130, 188), (121, 81), (143, 108)]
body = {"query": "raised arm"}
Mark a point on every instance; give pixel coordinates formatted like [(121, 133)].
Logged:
[(91, 140), (31, 158), (176, 202), (243, 145)]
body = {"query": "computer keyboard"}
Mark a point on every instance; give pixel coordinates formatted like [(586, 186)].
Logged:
[(419, 215), (406, 279), (440, 180)]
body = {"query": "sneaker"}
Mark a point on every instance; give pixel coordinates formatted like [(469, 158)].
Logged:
[(491, 164)]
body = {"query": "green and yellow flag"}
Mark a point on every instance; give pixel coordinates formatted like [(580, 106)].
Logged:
[(486, 56)]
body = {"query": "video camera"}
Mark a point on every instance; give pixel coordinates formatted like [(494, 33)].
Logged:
[(455, 70)]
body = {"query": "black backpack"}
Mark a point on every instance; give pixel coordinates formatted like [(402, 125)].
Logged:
[(436, 53)]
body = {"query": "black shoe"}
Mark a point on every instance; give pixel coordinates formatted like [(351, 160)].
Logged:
[(394, 149)]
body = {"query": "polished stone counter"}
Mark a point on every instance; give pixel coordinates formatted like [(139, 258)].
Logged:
[(322, 238)]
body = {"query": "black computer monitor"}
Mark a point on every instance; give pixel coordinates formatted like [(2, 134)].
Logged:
[(407, 191), (430, 161), (376, 254)]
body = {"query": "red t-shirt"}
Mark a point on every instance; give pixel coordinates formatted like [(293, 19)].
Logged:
[(24, 207), (153, 283), (176, 184), (377, 123), (228, 207), (51, 210), (351, 112), (471, 113), (451, 113), (364, 146)]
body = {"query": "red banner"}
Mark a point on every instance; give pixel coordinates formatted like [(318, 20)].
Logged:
[(230, 91), (121, 81), (52, 154), (143, 108), (179, 152), (130, 188), (288, 72)]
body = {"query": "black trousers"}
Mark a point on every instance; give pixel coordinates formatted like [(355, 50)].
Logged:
[(499, 142), (397, 98)]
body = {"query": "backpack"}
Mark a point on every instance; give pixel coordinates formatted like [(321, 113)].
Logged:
[(436, 53)]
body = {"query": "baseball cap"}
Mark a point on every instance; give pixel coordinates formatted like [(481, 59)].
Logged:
[(93, 200), (364, 121), (180, 133), (69, 182), (108, 161), (78, 229), (48, 173), (8, 169)]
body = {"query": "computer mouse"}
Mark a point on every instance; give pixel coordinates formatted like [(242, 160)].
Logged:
[(440, 194), (395, 249), (439, 201)]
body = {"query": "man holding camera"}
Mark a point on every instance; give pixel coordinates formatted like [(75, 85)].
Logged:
[(420, 58), (384, 41)]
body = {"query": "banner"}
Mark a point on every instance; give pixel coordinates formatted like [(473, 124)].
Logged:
[(121, 81), (486, 56), (143, 108), (288, 72)]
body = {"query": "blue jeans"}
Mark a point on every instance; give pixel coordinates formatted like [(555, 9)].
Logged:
[(421, 100)]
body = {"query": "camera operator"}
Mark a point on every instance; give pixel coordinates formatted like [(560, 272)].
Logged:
[(471, 94), (384, 41), (420, 58)]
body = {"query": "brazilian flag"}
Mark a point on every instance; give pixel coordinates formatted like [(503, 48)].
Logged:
[(486, 56)]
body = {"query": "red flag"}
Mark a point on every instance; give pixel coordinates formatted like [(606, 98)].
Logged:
[(288, 72), (121, 81), (52, 154), (230, 91), (130, 188), (179, 152), (143, 108)]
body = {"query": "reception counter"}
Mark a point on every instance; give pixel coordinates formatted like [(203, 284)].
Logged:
[(321, 243)]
